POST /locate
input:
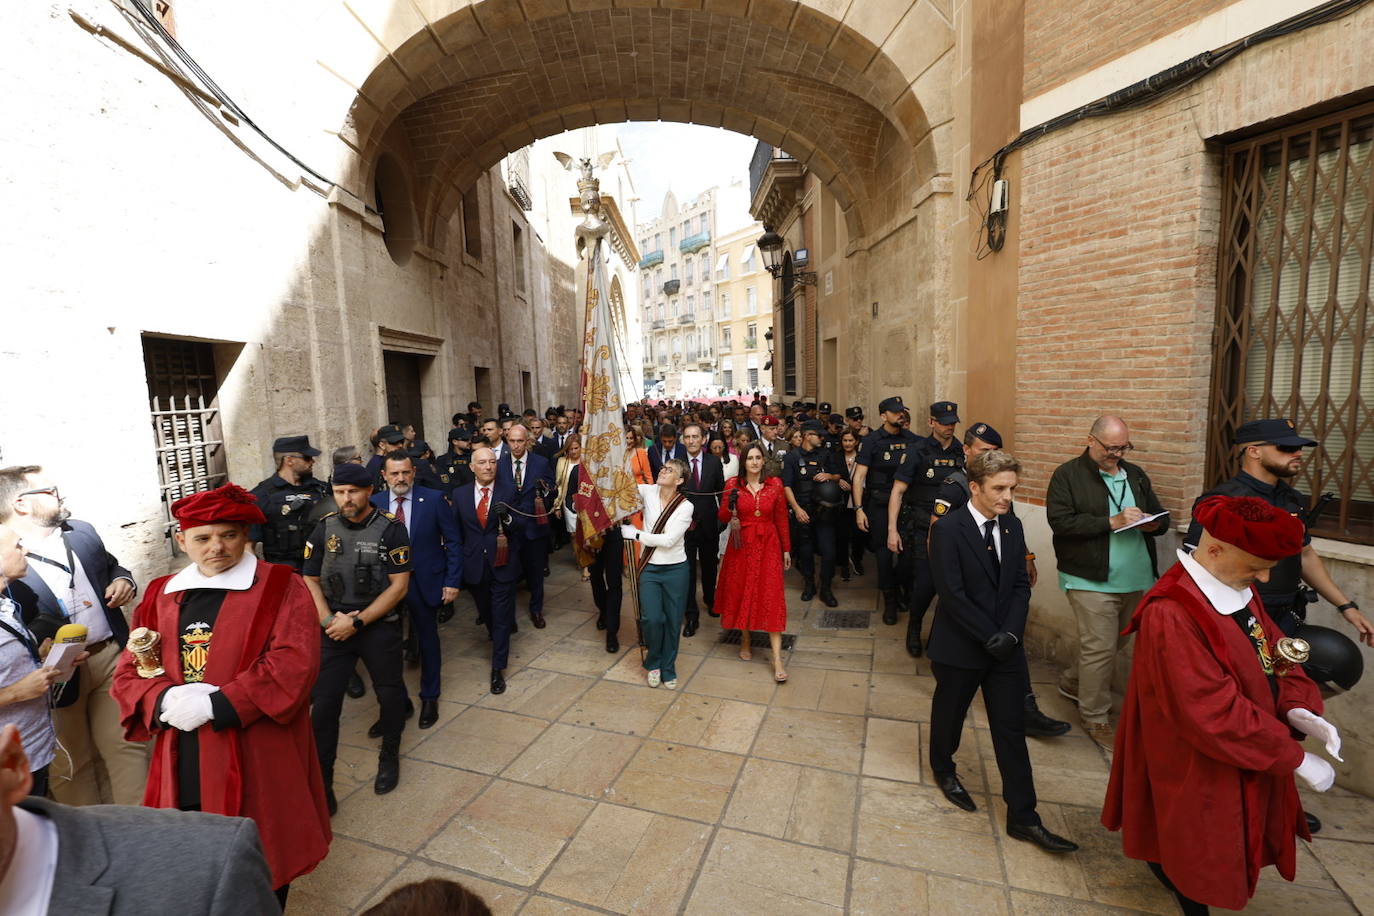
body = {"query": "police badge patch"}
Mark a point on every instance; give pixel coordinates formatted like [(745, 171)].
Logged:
[(400, 556), (286, 509), (941, 507), (930, 472), (333, 544)]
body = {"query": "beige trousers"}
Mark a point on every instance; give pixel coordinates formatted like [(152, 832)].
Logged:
[(104, 768), (1101, 618)]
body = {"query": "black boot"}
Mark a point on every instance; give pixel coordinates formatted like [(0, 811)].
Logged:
[(355, 687), (375, 731), (890, 603), (809, 588), (827, 596), (858, 567), (690, 624), (1039, 725), (388, 766)]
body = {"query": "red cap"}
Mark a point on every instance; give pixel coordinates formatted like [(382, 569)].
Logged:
[(1252, 525), (224, 505), (771, 421)]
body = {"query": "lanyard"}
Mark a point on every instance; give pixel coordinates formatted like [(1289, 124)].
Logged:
[(69, 569), (23, 635), (1117, 497)]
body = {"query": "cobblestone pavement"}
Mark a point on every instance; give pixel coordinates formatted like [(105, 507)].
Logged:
[(580, 790)]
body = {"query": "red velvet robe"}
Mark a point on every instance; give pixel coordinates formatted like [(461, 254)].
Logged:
[(1202, 778), (264, 658), (749, 590)]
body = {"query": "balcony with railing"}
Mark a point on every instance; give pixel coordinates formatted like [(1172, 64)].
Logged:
[(773, 176), (672, 287), (651, 259), (687, 318), (694, 243), (659, 324)]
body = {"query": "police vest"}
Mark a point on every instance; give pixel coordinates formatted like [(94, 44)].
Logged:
[(888, 454), (288, 521), (353, 571), (807, 466)]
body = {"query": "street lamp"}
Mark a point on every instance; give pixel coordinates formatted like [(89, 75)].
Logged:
[(772, 244)]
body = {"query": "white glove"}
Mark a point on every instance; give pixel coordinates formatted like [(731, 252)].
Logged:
[(187, 706), (629, 532), (1316, 772), (1314, 726)]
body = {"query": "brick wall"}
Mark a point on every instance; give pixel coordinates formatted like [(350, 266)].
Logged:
[(1066, 38)]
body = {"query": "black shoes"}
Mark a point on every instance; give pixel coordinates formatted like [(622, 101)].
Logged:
[(429, 713), (376, 730), (498, 683), (446, 612), (355, 686), (601, 623), (844, 573), (858, 568), (713, 613), (809, 589), (828, 597), (1313, 825), (1039, 725), (538, 620), (612, 644), (689, 626), (915, 648), (956, 793), (1050, 842), (890, 604), (388, 766)]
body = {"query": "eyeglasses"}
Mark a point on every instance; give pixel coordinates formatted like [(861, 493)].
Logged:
[(1114, 449), (52, 491)]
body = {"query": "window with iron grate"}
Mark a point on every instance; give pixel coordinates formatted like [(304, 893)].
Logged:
[(1294, 334)]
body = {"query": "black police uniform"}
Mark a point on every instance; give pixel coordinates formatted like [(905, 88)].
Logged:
[(288, 508), (924, 470), (882, 454), (799, 470), (353, 561)]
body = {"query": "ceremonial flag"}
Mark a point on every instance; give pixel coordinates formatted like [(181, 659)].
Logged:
[(606, 490)]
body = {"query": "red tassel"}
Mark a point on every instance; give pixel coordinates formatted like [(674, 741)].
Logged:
[(736, 538), (541, 516), (502, 550)]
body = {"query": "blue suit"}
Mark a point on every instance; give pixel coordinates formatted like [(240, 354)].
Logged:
[(533, 546), (656, 455), (492, 587), (435, 564)]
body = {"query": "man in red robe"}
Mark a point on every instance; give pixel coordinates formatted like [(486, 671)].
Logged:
[(1202, 785), (230, 713)]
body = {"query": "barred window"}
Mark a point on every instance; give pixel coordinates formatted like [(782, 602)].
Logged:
[(1294, 320)]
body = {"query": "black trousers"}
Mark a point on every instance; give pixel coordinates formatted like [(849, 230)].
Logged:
[(703, 545), (875, 510), (379, 647), (607, 586), (1004, 697), (922, 593), (534, 558), (810, 539), (849, 540), (1188, 905), (495, 602)]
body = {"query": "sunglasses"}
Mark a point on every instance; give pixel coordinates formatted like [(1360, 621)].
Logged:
[(1289, 449)]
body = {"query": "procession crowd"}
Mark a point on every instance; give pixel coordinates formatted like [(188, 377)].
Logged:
[(220, 689)]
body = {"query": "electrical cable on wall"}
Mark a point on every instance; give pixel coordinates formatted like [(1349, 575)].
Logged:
[(1143, 92)]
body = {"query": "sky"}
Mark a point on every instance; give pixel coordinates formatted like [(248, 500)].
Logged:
[(684, 157)]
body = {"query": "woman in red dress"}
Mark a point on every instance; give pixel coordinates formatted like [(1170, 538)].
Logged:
[(749, 592)]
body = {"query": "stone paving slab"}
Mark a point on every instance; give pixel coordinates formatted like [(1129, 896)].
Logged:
[(580, 790)]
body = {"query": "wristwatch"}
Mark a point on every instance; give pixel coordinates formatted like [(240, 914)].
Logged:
[(358, 622), (1348, 606)]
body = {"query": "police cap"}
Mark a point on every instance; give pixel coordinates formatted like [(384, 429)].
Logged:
[(298, 445), (391, 434), (1277, 431), (352, 475), (891, 405), (417, 448), (834, 418), (458, 434), (854, 413), (813, 426), (987, 434), (944, 412), (824, 407)]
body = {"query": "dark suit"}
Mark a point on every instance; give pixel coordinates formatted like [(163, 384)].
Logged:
[(492, 587), (533, 545), (607, 567), (114, 860), (656, 460), (703, 539), (101, 568), (545, 447), (979, 598), (435, 564)]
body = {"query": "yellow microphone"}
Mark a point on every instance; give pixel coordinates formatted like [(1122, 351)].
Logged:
[(73, 634), (70, 632)]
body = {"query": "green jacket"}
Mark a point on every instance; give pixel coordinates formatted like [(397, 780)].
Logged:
[(1077, 508)]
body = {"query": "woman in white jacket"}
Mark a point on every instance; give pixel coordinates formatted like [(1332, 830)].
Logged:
[(663, 582)]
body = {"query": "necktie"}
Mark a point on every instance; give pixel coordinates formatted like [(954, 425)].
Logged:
[(696, 474), (482, 507), (401, 509), (990, 544), (519, 474)]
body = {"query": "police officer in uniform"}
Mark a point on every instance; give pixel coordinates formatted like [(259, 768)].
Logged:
[(287, 498), (880, 456), (389, 439), (953, 495), (453, 466), (854, 419), (911, 507), (813, 529), (357, 567)]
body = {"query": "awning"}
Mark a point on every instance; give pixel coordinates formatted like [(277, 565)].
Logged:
[(748, 254), (722, 262)]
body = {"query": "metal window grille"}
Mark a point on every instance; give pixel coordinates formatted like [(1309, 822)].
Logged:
[(1294, 334), (183, 392)]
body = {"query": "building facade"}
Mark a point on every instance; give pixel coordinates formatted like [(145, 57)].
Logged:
[(744, 319)]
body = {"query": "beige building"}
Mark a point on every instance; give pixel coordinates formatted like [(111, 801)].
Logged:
[(743, 316)]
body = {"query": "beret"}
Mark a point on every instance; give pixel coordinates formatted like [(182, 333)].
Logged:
[(770, 421), (222, 505), (1251, 524), (352, 475)]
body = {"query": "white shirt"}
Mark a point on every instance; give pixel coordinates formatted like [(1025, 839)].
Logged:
[(980, 520), (26, 886), (477, 494), (80, 602), (237, 578), (410, 506), (1224, 599), (669, 545)]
